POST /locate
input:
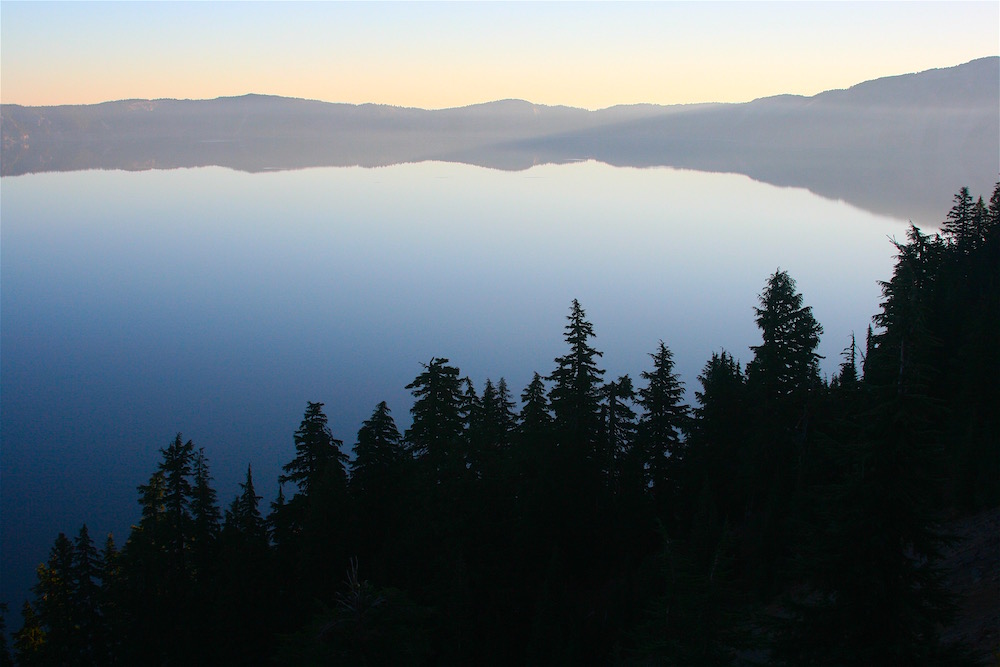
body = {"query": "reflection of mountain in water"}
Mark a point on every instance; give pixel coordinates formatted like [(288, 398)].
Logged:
[(899, 145)]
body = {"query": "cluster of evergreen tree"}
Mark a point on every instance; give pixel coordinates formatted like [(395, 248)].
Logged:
[(784, 519)]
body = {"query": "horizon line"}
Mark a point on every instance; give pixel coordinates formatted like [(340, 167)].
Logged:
[(484, 103)]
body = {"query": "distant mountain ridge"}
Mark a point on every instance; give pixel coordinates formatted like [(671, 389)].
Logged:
[(893, 145)]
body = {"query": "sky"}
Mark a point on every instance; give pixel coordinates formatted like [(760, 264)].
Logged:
[(437, 55)]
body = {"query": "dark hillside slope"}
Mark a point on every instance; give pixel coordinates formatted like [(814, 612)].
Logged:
[(896, 145)]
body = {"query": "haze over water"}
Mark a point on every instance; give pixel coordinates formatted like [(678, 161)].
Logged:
[(216, 303)]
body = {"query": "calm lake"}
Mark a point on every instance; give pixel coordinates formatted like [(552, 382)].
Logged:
[(216, 303)]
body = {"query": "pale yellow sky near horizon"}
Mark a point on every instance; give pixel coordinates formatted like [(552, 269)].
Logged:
[(436, 55)]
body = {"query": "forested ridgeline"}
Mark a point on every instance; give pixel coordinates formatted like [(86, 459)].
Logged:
[(783, 519)]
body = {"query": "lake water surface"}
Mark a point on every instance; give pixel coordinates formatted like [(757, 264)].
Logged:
[(216, 303)]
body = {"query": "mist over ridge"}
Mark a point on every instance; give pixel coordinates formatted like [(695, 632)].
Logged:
[(896, 145)]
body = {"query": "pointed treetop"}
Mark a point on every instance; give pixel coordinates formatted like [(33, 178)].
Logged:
[(318, 454), (576, 392), (786, 361)]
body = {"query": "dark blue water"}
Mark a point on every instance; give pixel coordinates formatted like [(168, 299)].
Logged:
[(216, 303)]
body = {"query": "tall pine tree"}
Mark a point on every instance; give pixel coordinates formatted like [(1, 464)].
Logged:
[(663, 420), (575, 396), (786, 362), (436, 434), (381, 492)]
